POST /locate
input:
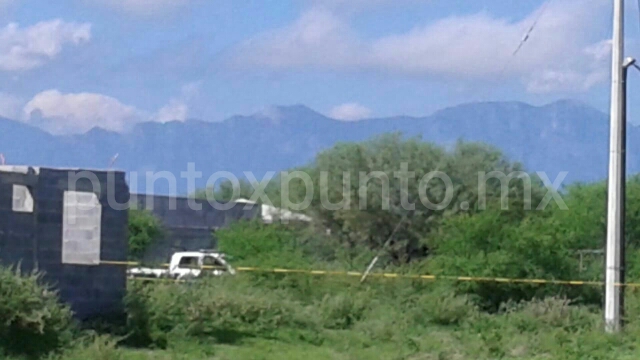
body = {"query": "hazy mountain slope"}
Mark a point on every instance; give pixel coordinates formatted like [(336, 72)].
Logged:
[(562, 136)]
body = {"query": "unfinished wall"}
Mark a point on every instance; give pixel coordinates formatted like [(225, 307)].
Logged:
[(68, 251), (188, 229)]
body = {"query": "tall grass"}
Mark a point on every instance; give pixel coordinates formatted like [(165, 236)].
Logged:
[(416, 320), (263, 315)]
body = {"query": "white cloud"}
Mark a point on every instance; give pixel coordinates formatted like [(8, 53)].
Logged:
[(178, 108), (74, 113), (175, 110), (318, 38), (594, 69), (30, 47), (358, 5), (559, 52), (350, 112), (61, 113), (144, 7)]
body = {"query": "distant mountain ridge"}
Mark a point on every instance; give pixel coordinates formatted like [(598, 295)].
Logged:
[(561, 136)]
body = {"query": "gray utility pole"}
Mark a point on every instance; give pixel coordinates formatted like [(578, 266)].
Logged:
[(613, 293), (628, 62)]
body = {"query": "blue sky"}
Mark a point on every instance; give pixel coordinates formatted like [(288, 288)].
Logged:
[(69, 65)]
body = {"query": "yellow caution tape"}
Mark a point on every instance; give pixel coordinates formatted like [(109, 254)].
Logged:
[(130, 263), (124, 263), (156, 279), (397, 275)]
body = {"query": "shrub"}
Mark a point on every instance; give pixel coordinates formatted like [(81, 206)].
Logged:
[(448, 309), (224, 312), (251, 243), (488, 245), (219, 309), (144, 229), (94, 347), (343, 310), (32, 320), (138, 314), (153, 311), (553, 312)]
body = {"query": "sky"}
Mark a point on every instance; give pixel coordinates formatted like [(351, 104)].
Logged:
[(67, 66)]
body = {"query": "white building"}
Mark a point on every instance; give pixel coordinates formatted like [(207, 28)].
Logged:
[(271, 214)]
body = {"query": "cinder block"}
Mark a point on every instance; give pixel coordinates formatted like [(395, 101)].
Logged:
[(25, 238)]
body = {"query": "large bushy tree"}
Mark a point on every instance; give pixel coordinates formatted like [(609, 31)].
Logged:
[(365, 192)]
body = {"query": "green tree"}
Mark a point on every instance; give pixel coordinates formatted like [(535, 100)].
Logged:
[(540, 245), (144, 229), (252, 243), (350, 183), (491, 245)]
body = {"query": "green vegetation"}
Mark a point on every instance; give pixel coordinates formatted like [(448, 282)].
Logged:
[(32, 322), (273, 316), (144, 229), (372, 181), (266, 315)]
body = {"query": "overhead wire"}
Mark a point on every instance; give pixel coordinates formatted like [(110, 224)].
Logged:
[(532, 27), (526, 36), (487, 95)]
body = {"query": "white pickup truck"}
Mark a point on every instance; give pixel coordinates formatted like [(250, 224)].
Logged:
[(187, 265)]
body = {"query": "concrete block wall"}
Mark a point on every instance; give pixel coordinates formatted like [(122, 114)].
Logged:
[(188, 229), (16, 229), (35, 239)]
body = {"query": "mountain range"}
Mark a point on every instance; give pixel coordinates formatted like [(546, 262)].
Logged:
[(561, 136)]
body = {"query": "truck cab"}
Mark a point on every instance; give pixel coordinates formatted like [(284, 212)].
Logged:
[(190, 264)]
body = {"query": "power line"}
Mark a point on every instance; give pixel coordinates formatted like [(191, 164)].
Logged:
[(533, 26), (499, 77), (527, 35)]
